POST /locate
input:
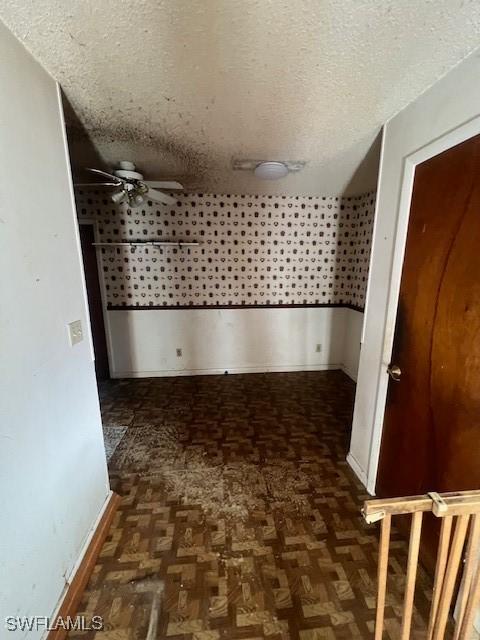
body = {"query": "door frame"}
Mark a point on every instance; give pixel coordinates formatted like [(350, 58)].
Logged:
[(450, 139), (103, 293)]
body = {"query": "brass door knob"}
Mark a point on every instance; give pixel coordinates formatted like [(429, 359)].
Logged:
[(394, 372)]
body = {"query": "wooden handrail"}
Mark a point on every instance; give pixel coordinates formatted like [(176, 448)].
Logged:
[(457, 503)]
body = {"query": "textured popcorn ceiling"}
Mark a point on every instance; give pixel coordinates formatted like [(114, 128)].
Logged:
[(183, 86)]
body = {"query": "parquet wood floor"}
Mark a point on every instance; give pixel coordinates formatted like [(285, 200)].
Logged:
[(239, 507)]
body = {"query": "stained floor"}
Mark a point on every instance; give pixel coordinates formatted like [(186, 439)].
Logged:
[(240, 513)]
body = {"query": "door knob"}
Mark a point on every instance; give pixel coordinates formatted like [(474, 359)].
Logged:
[(394, 372)]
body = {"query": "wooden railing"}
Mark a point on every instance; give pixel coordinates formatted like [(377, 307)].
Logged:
[(459, 538)]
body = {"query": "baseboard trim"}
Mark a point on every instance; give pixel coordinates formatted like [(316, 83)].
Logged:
[(168, 373), (221, 371), (357, 469), (351, 374), (81, 575)]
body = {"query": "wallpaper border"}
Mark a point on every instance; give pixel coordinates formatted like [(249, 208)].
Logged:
[(191, 307)]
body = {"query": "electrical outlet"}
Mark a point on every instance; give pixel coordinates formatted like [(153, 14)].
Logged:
[(319, 348), (75, 332), (179, 353)]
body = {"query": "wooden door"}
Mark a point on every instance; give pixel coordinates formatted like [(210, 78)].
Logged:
[(431, 434), (90, 266)]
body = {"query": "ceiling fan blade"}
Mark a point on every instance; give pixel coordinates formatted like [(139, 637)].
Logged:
[(116, 179), (159, 196), (96, 184), (164, 184)]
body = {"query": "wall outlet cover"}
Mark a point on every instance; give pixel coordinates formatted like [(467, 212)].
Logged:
[(75, 332)]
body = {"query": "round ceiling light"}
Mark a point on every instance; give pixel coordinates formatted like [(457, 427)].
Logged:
[(270, 170)]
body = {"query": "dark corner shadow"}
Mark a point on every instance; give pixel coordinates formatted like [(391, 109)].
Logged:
[(81, 148), (353, 249), (364, 179)]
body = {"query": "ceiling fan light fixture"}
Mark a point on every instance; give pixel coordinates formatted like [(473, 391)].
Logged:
[(270, 170), (137, 200), (118, 196)]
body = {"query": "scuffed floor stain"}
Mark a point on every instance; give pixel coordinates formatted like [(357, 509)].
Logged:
[(112, 435), (238, 500)]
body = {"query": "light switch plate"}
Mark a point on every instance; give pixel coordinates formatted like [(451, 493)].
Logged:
[(75, 332)]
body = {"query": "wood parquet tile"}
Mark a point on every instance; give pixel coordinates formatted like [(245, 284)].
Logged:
[(239, 507)]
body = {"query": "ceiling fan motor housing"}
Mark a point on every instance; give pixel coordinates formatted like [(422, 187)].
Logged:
[(128, 175), (127, 171)]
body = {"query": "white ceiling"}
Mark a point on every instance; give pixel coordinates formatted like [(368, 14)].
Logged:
[(183, 86)]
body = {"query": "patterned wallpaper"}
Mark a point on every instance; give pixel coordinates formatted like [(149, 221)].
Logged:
[(254, 250)]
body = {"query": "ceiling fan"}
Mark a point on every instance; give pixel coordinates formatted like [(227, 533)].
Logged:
[(130, 186)]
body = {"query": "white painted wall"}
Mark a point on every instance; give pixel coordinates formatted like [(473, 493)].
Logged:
[(53, 476), (144, 343), (448, 104), (351, 342)]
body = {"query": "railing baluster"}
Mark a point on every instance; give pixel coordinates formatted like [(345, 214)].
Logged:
[(442, 556), (412, 563), (470, 562), (450, 577), (383, 550), (466, 628)]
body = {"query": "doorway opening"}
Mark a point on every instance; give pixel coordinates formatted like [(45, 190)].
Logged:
[(95, 301)]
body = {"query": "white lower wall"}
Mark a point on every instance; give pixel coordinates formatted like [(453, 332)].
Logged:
[(352, 342), (144, 343)]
